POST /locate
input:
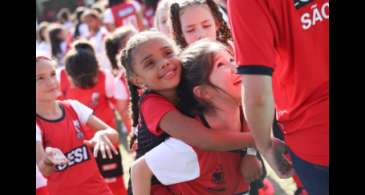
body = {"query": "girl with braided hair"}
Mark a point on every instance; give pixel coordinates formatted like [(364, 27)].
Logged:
[(153, 73), (193, 20)]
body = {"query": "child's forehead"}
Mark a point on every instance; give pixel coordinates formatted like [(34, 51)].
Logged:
[(155, 43), (44, 64)]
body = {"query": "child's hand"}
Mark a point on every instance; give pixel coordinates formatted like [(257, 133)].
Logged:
[(275, 156), (54, 156), (251, 168), (101, 142)]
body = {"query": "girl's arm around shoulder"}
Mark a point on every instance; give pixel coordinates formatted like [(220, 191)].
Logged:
[(194, 133)]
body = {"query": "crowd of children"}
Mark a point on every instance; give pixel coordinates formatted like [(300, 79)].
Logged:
[(165, 71)]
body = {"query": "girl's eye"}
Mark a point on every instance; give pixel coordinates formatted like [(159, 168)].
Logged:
[(220, 64), (190, 30), (207, 26), (231, 60), (39, 78), (148, 64), (169, 53)]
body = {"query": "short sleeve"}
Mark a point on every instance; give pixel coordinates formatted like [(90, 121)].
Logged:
[(114, 87), (38, 134), (58, 74), (173, 161), (82, 111), (153, 108), (120, 90), (136, 5), (253, 34), (108, 16)]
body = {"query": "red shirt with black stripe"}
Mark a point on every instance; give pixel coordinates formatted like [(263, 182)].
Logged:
[(219, 171), (80, 176), (289, 40)]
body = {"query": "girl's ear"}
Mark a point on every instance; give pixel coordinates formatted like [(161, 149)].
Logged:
[(201, 92)]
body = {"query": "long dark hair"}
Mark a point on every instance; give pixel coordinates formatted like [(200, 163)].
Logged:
[(82, 67), (41, 30), (54, 31), (198, 62), (114, 2), (116, 41), (223, 33), (79, 11)]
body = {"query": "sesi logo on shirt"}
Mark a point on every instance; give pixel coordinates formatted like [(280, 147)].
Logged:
[(79, 133), (75, 156)]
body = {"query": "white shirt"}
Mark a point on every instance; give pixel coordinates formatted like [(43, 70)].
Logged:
[(173, 161), (99, 45)]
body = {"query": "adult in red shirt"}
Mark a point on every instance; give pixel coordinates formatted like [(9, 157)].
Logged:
[(282, 46)]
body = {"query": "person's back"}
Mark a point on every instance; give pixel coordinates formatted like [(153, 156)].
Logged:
[(67, 134), (289, 41), (300, 79), (127, 12)]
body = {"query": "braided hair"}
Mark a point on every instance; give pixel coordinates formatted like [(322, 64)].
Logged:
[(223, 33), (126, 59)]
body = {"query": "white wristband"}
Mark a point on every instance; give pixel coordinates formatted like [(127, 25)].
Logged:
[(251, 151)]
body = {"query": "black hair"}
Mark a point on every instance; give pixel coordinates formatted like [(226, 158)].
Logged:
[(42, 27), (111, 3), (83, 44), (197, 61), (223, 32), (63, 15), (78, 13), (82, 67), (116, 41), (53, 33)]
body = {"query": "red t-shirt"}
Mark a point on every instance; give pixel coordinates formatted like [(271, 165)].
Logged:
[(219, 171), (80, 176), (153, 108), (95, 98), (124, 13), (148, 16), (290, 38), (219, 174)]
